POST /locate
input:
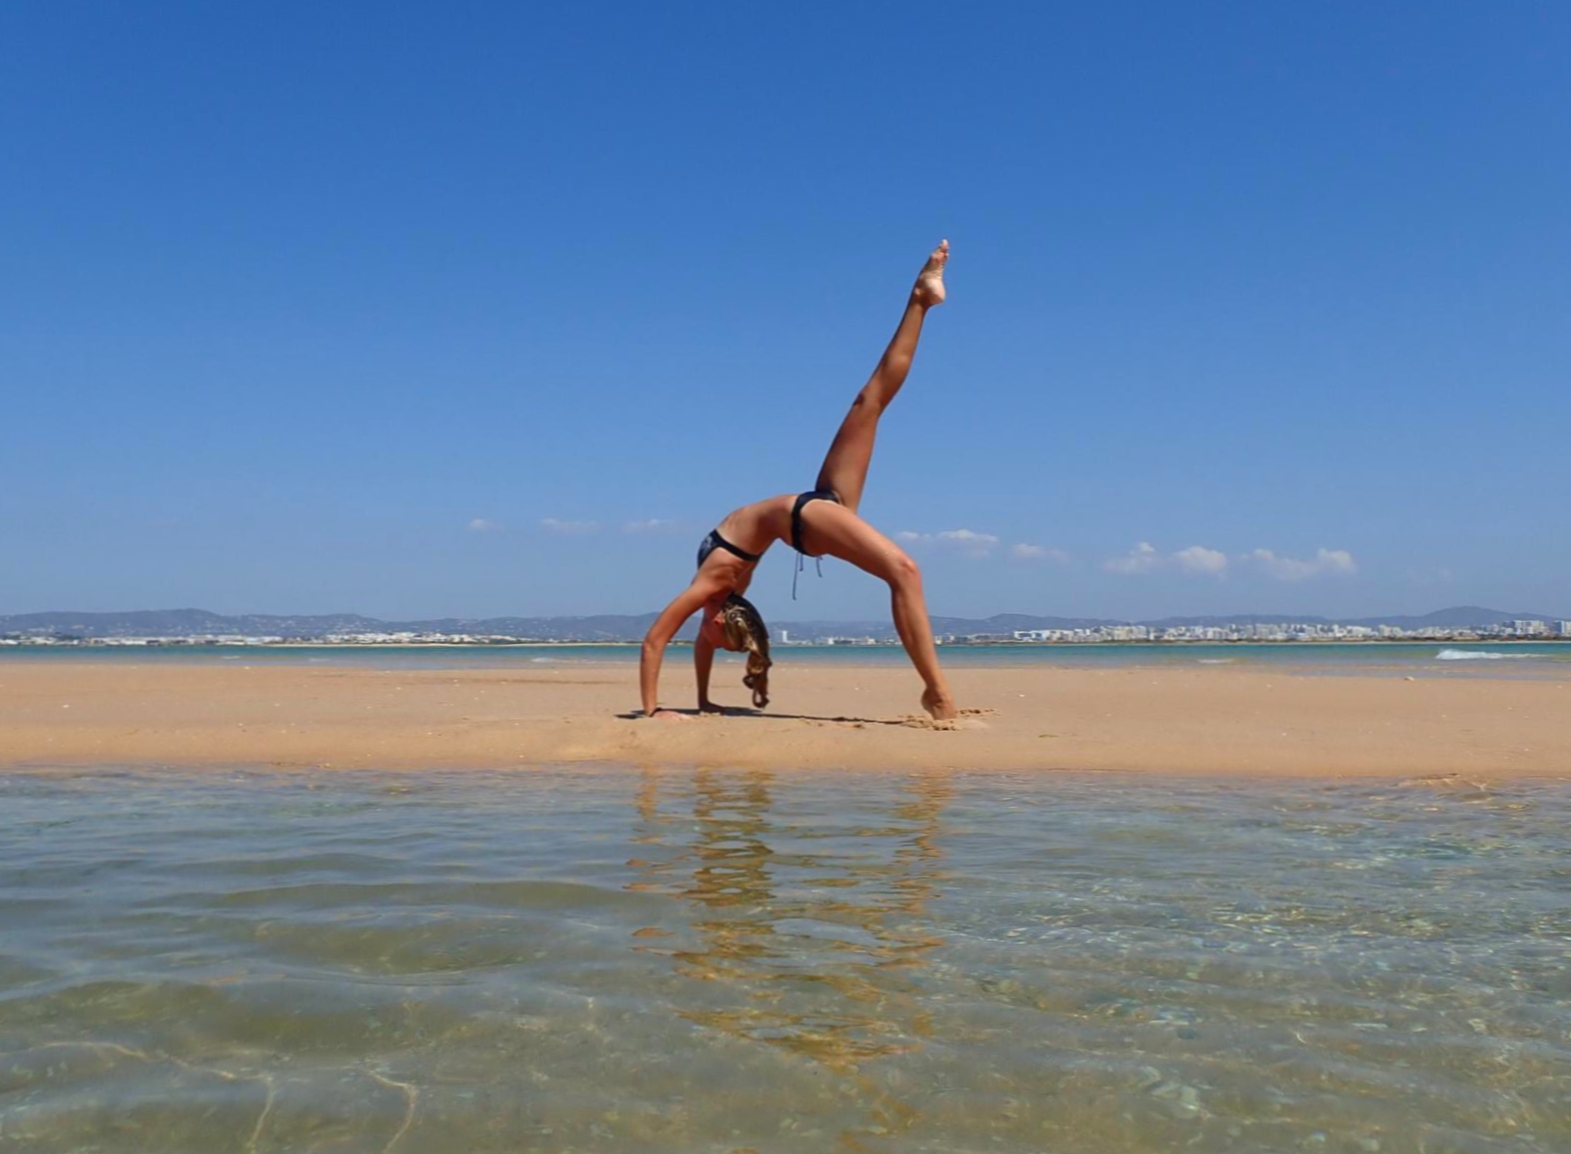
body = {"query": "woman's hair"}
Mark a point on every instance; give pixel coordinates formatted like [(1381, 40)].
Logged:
[(745, 629)]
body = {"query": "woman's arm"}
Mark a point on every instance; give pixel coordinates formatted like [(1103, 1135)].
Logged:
[(660, 633), (703, 662)]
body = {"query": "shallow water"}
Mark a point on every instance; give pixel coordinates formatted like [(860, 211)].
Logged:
[(614, 960)]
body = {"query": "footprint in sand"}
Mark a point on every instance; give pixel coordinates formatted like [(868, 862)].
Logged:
[(967, 720)]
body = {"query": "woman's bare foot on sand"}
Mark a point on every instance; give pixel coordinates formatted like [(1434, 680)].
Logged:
[(939, 706), (929, 290)]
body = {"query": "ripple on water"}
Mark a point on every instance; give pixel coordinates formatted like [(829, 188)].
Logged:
[(678, 961)]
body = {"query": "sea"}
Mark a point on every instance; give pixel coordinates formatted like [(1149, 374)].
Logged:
[(648, 960), (1550, 659)]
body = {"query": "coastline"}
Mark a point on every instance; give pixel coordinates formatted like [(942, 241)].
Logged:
[(188, 643), (855, 717)]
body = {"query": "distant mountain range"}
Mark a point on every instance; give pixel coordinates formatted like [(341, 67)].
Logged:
[(614, 627)]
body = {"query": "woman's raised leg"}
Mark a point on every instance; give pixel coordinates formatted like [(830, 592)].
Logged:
[(845, 467), (841, 533)]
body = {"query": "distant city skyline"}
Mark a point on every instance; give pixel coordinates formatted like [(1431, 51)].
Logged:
[(414, 313), (192, 626)]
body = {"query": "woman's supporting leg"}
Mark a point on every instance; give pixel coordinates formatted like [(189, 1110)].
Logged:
[(845, 467), (841, 533)]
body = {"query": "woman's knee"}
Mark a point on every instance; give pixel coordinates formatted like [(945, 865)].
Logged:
[(903, 571)]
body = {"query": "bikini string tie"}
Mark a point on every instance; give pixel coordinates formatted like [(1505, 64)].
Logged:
[(801, 560)]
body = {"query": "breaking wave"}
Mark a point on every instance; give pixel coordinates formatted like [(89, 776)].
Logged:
[(1481, 655)]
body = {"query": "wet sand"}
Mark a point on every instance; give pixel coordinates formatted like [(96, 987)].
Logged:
[(851, 717)]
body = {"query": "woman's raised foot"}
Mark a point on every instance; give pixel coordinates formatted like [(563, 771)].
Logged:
[(929, 290)]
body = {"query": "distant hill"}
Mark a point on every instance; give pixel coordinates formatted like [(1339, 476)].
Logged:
[(201, 623), (1463, 617), (631, 627), (1458, 617)]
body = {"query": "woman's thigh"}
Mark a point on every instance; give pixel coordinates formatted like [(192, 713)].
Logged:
[(835, 531)]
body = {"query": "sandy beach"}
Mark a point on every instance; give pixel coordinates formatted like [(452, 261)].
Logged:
[(851, 717)]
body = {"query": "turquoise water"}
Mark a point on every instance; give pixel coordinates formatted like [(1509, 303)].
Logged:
[(1437, 659), (689, 961)]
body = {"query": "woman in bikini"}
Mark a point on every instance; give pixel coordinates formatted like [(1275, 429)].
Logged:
[(820, 522)]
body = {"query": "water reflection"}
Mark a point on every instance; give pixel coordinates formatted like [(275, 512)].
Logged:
[(471, 963), (814, 929), (809, 934)]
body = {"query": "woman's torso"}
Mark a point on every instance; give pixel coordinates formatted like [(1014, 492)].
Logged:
[(757, 526)]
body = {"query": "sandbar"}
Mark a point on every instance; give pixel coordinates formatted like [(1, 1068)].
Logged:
[(842, 717)]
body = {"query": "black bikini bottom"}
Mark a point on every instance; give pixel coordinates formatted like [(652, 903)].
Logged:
[(796, 514)]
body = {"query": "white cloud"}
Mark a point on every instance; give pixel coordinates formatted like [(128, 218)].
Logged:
[(1325, 563), (481, 525), (652, 525), (1143, 558), (965, 541), (1025, 552), (552, 525), (1201, 561)]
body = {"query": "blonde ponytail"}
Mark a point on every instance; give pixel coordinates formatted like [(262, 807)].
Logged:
[(745, 629)]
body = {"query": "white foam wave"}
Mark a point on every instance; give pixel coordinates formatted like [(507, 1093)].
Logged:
[(1216, 660), (1481, 655)]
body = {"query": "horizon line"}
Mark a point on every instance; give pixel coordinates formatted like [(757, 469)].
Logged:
[(1257, 615)]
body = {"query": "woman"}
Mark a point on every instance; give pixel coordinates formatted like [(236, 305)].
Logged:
[(822, 521)]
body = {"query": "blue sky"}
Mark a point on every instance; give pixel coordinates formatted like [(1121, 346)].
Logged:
[(485, 309)]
